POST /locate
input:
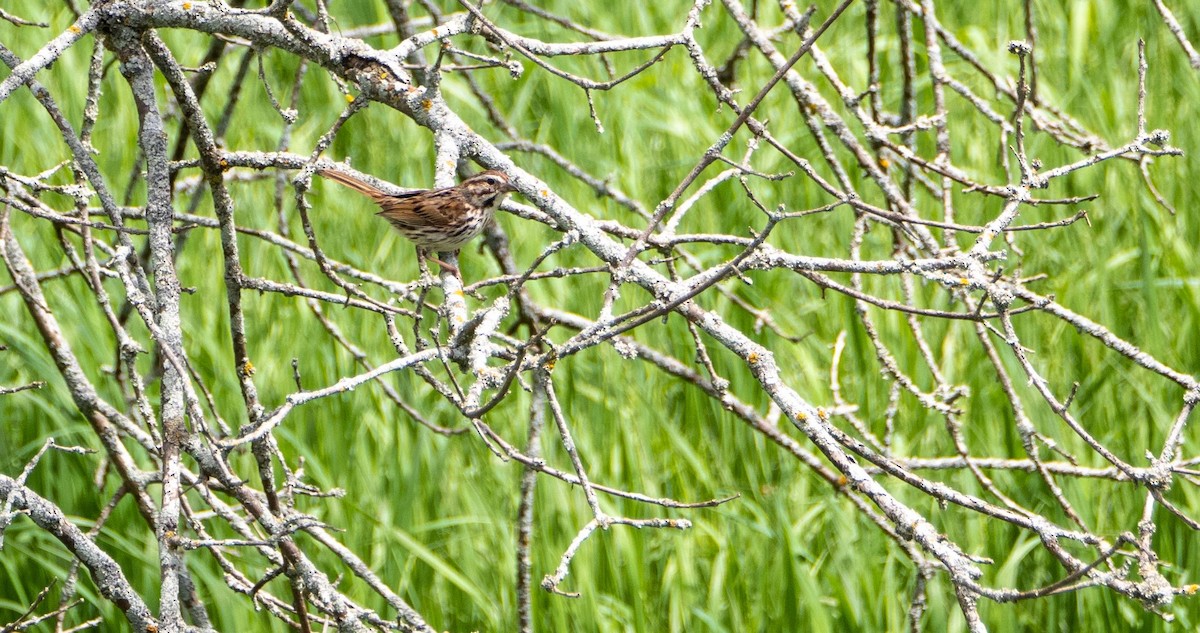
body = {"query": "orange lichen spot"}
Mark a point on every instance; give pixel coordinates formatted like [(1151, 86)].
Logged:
[(426, 103), (187, 6), (822, 413), (884, 163), (1191, 589), (842, 481), (752, 358), (349, 98), (223, 163), (434, 32), (801, 417), (74, 28), (248, 369), (964, 281), (550, 364), (544, 192)]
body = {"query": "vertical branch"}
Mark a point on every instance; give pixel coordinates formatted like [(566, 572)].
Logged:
[(152, 139), (872, 23), (1028, 170), (1031, 39), (537, 420), (908, 91), (210, 161), (937, 71)]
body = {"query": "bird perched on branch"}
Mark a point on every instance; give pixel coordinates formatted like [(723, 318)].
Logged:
[(441, 220)]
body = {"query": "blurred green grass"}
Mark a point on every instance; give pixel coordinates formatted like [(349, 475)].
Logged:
[(433, 515)]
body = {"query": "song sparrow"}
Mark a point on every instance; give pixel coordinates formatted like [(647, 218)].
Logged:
[(437, 219)]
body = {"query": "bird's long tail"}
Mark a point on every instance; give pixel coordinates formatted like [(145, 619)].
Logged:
[(354, 183)]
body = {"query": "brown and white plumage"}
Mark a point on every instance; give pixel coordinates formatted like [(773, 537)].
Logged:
[(437, 219)]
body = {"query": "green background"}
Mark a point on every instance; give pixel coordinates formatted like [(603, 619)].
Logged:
[(434, 516)]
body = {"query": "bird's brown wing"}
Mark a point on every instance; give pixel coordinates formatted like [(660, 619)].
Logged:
[(422, 209)]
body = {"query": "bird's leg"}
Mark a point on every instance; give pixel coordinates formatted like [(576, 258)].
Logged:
[(450, 268), (427, 279)]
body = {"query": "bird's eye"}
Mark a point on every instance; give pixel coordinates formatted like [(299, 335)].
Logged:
[(492, 180)]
